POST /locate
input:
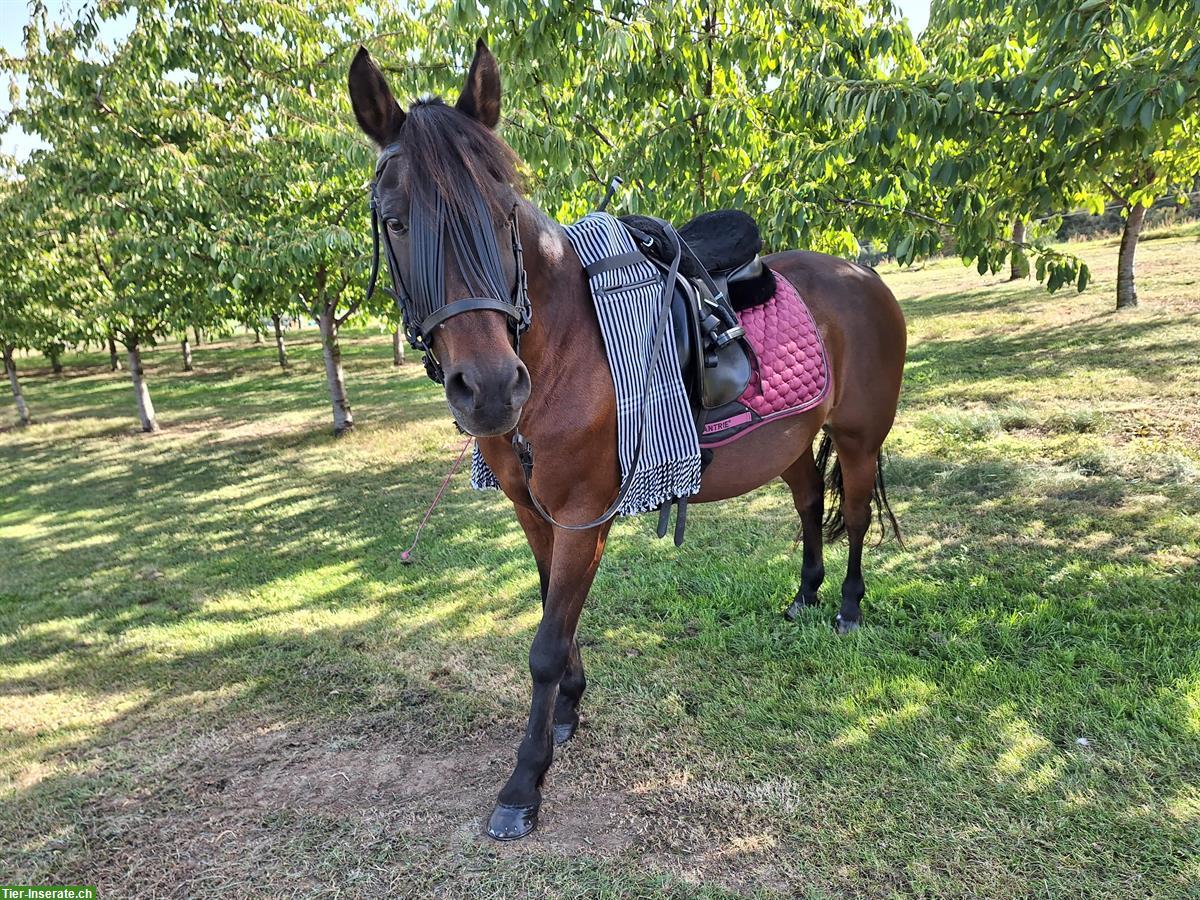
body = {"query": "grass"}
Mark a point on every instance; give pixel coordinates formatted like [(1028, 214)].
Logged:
[(217, 675)]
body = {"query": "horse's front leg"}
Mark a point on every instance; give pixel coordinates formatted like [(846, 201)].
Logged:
[(573, 566), (540, 535)]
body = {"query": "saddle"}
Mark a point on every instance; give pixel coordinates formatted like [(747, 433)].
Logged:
[(719, 273)]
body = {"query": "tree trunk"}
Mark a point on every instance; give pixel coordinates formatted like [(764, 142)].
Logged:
[(398, 347), (279, 346), (187, 353), (1126, 291), (1020, 262), (343, 419), (10, 366), (258, 338), (55, 360), (114, 361), (140, 392), (198, 335)]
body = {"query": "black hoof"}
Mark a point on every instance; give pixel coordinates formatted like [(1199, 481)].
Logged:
[(799, 605), (509, 823), (844, 626), (564, 731)]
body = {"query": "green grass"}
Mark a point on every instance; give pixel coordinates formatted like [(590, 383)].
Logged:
[(217, 675)]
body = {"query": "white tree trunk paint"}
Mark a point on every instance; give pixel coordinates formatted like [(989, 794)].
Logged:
[(398, 347), (279, 345), (1020, 262), (343, 418), (10, 366), (140, 391)]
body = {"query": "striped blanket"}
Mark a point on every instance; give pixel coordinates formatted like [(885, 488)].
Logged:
[(627, 305)]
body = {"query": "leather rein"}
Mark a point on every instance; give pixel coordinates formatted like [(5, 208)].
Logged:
[(418, 329)]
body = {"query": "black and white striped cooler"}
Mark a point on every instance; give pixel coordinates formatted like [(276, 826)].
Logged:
[(627, 305)]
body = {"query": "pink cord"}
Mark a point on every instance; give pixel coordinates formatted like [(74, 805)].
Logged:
[(405, 555)]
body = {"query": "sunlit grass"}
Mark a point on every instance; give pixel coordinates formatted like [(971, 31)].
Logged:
[(1020, 715)]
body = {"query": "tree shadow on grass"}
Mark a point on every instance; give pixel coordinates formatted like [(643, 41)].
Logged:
[(218, 585), (232, 382), (1139, 349)]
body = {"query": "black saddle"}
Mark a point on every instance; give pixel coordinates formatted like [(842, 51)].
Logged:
[(726, 244), (716, 255)]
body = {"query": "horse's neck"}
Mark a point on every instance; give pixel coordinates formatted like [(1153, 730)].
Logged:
[(564, 334)]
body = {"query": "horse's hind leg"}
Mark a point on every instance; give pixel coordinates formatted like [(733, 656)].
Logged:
[(570, 691), (808, 494), (858, 463)]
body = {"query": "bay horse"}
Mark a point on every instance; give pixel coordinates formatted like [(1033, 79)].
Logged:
[(510, 350)]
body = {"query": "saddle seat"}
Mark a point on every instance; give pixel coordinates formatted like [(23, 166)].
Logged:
[(720, 274), (727, 243)]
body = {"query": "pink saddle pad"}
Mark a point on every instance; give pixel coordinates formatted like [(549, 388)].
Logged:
[(792, 375)]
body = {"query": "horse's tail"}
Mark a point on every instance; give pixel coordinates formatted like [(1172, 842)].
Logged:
[(835, 522)]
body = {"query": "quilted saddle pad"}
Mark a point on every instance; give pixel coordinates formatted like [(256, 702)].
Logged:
[(793, 368)]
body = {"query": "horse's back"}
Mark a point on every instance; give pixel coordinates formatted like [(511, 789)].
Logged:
[(864, 331)]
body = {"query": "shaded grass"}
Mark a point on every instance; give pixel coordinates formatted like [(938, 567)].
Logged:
[(1021, 715)]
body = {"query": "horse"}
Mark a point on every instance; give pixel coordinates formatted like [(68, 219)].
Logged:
[(514, 338)]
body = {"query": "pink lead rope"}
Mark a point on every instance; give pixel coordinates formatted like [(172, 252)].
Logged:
[(405, 556)]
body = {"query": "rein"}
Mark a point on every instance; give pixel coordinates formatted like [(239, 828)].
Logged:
[(406, 555), (478, 258)]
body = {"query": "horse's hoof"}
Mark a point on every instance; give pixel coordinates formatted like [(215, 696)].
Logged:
[(509, 823), (564, 731), (799, 605), (844, 626)]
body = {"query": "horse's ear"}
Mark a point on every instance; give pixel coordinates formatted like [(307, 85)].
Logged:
[(480, 98), (378, 113)]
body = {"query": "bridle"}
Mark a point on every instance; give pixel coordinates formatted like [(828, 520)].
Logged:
[(423, 318)]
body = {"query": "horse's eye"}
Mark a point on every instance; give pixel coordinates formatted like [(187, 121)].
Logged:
[(395, 226)]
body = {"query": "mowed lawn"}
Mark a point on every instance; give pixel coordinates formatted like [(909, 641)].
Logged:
[(218, 679)]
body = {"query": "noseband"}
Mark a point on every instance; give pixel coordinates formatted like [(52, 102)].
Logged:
[(480, 264)]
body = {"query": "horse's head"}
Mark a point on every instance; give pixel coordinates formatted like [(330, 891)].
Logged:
[(445, 193)]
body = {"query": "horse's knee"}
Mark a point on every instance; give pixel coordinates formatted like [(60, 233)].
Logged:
[(548, 659)]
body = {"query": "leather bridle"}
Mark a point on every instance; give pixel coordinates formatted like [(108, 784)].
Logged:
[(420, 323)]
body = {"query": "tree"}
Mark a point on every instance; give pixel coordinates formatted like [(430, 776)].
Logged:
[(199, 154), (1019, 270), (260, 299), (695, 104), (1032, 105), (808, 115), (34, 314), (305, 172), (135, 134)]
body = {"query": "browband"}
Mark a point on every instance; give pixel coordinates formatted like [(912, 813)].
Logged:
[(518, 309)]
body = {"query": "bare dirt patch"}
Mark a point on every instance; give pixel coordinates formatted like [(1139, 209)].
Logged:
[(249, 810)]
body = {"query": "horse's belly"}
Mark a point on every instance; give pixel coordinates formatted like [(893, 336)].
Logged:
[(751, 461)]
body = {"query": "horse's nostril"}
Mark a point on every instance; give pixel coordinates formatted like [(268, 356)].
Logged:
[(460, 390), (471, 390), (521, 385)]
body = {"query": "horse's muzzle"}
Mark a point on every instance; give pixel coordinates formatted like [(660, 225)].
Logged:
[(487, 400)]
